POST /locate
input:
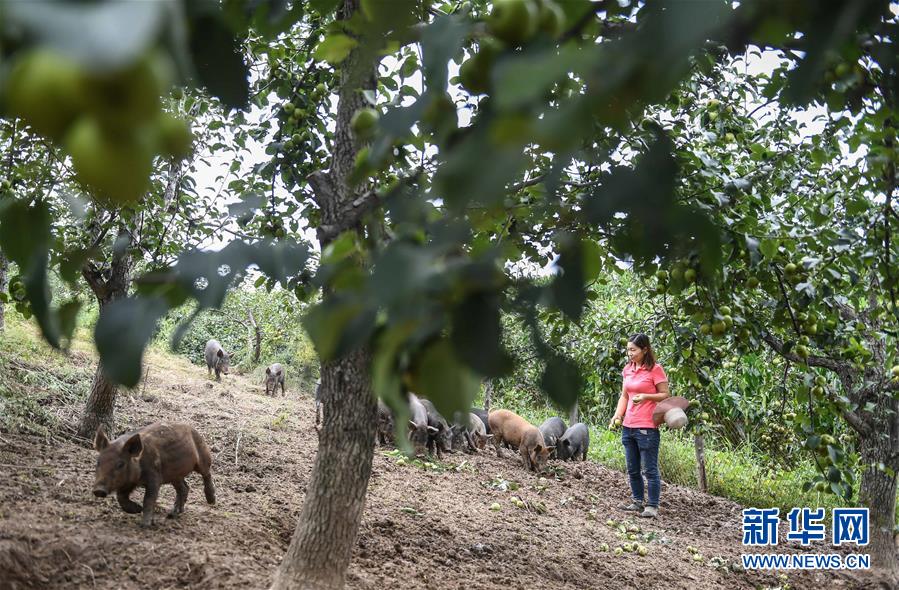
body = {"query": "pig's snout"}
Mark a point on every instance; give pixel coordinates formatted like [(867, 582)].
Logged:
[(100, 492)]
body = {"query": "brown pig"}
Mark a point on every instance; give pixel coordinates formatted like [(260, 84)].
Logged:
[(149, 457), (511, 428)]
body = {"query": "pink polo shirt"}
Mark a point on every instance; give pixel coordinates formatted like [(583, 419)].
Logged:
[(639, 379)]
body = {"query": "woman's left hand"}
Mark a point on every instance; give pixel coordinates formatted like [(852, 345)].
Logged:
[(638, 398)]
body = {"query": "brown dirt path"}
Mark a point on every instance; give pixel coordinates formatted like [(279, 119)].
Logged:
[(426, 525)]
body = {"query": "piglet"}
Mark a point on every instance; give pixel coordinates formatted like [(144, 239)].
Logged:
[(149, 457), (274, 376), (509, 427), (216, 359)]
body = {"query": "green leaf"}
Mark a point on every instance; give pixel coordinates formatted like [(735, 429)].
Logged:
[(324, 7), (25, 239), (562, 380), (410, 66), (218, 60), (340, 248), (526, 77), (400, 271), (477, 335), (122, 332), (24, 232), (335, 48), (653, 223), (592, 257), (71, 263), (101, 35), (386, 377), (440, 41), (443, 379), (567, 289), (68, 314), (768, 247), (333, 325), (460, 187)]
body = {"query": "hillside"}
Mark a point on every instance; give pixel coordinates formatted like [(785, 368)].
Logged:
[(425, 521)]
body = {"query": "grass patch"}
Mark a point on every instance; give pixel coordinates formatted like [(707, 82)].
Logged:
[(737, 474), (39, 386)]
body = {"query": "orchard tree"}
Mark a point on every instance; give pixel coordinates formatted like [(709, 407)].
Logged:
[(808, 267), (422, 191), (102, 207)]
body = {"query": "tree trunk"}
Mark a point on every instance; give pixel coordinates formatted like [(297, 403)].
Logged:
[(325, 535), (100, 407), (878, 493), (108, 285), (4, 267), (699, 444), (323, 541), (255, 338), (488, 395), (573, 415)]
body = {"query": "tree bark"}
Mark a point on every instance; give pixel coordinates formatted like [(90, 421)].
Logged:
[(323, 541), (4, 268), (699, 445), (108, 285), (573, 415), (100, 407), (878, 430), (255, 338), (878, 493)]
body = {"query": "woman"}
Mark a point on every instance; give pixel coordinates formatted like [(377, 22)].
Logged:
[(644, 385)]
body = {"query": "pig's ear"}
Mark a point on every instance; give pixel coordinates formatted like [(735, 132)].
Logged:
[(134, 446), (538, 449), (488, 436), (412, 424), (221, 353), (433, 430), (550, 449), (268, 371), (279, 372), (100, 440)]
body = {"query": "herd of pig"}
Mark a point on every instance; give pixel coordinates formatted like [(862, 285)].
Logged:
[(429, 430), (164, 453), (219, 361)]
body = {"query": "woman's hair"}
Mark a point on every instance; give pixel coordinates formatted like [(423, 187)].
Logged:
[(641, 340)]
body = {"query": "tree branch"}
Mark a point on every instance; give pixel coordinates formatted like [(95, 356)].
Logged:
[(168, 201), (857, 422), (101, 235), (323, 190), (349, 216), (813, 361), (526, 183)]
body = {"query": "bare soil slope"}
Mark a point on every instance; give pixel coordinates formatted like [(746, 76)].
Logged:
[(426, 524)]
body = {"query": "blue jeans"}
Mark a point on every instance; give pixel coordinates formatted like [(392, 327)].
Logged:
[(641, 448)]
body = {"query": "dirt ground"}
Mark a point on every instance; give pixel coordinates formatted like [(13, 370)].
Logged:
[(426, 524)]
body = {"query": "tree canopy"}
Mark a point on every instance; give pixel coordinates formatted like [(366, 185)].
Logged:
[(741, 155)]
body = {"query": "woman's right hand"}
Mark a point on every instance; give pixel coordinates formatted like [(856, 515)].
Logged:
[(614, 423)]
